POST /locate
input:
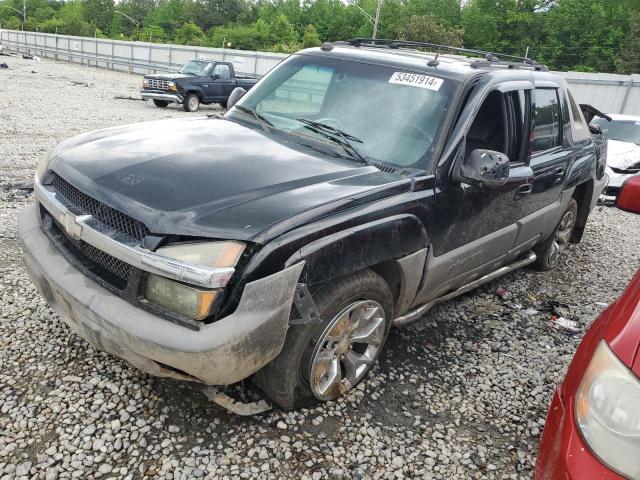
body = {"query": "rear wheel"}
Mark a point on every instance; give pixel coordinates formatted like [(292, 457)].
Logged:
[(322, 362), (191, 103), (550, 250), (160, 103)]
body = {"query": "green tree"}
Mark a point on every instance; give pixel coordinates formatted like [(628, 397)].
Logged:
[(425, 28), (629, 61), (310, 38), (282, 30), (98, 12), (190, 34)]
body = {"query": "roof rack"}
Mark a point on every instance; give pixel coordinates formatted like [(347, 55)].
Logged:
[(488, 59)]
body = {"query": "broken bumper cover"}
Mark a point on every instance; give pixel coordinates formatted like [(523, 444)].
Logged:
[(220, 353), (159, 95)]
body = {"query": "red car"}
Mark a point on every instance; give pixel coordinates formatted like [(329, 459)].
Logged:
[(593, 424)]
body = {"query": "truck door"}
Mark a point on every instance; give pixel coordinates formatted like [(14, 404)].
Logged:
[(549, 163), (475, 227), (222, 81)]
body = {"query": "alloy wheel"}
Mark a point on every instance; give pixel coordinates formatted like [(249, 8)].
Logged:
[(347, 349), (561, 237)]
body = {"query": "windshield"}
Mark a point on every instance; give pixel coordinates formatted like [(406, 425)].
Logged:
[(381, 114), (622, 130), (195, 67)]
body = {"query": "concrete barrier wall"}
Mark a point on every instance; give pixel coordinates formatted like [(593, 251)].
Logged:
[(134, 57), (608, 92)]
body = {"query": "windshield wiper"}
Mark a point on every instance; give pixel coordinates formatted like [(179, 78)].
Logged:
[(255, 114), (337, 136)]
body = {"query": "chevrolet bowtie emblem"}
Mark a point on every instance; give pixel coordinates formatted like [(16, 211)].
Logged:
[(73, 224)]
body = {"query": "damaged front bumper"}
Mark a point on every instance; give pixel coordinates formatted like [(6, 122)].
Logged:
[(161, 95), (220, 353)]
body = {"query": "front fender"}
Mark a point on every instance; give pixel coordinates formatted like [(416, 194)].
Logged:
[(360, 247)]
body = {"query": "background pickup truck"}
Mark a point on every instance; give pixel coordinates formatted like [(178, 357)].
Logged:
[(199, 81)]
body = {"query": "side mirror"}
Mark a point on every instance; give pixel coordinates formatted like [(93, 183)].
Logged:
[(629, 195), (488, 167), (236, 94), (215, 76)]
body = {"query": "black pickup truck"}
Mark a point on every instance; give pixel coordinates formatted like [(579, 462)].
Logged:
[(198, 81), (357, 185)]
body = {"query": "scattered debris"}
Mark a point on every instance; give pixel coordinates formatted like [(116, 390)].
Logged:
[(81, 84), (234, 406), (571, 326), (503, 293), (120, 97), (531, 311), (26, 185), (28, 56), (4, 65)]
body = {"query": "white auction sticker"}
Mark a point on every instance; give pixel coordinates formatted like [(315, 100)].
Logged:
[(416, 80)]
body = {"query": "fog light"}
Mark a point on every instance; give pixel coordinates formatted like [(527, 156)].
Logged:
[(187, 301)]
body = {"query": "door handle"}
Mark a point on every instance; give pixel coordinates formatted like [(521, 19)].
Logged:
[(524, 190), (559, 174)]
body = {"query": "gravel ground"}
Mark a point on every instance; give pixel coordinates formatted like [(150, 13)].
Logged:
[(461, 394)]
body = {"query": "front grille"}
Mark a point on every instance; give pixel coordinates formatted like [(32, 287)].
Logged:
[(119, 268), (101, 212), (88, 258), (158, 84)]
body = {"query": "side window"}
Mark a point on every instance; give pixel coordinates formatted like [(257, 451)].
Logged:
[(489, 128), (518, 104), (304, 92), (546, 133), (222, 70)]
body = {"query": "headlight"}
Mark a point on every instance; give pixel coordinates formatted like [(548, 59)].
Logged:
[(42, 166), (172, 86), (145, 83), (184, 299), (608, 412)]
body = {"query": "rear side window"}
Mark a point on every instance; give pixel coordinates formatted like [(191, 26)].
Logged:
[(546, 134), (223, 71)]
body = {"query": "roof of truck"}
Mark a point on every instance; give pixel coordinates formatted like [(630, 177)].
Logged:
[(453, 62)]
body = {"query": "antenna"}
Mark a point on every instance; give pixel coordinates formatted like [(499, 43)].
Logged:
[(434, 61)]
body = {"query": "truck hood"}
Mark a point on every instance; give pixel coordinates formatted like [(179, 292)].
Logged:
[(168, 76), (214, 178), (622, 155)]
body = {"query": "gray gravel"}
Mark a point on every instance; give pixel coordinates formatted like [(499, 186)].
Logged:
[(461, 394)]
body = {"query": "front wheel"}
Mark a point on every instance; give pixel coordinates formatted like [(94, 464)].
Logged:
[(160, 103), (321, 362), (550, 250), (191, 103)]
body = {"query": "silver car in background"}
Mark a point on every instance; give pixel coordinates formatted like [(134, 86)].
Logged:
[(623, 157)]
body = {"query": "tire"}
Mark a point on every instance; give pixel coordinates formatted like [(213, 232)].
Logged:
[(160, 103), (551, 249), (191, 103), (286, 380)]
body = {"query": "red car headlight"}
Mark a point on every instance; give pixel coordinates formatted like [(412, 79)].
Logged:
[(608, 412)]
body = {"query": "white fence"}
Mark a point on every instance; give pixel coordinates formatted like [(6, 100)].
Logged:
[(608, 92), (134, 57)]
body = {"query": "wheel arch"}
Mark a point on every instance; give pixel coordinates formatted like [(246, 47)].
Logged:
[(393, 247), (582, 195)]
